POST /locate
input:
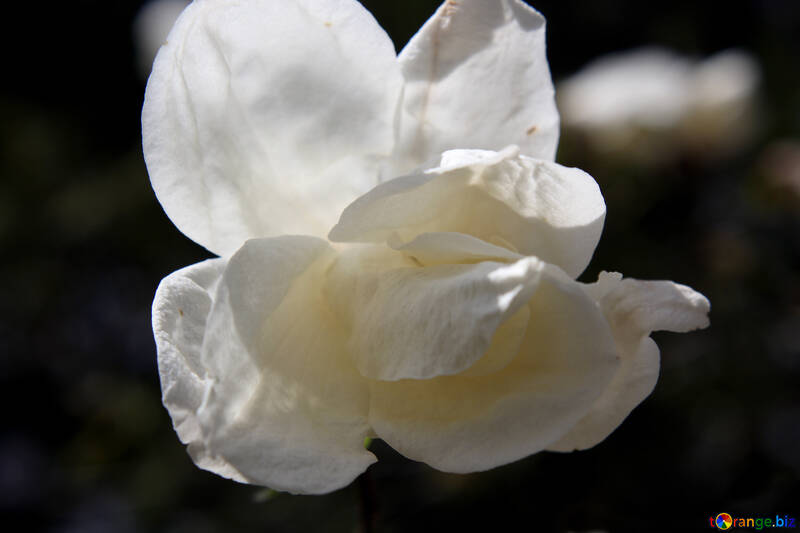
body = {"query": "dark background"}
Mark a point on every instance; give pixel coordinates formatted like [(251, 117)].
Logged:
[(86, 446)]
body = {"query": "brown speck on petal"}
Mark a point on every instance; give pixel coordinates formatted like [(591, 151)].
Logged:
[(450, 8), (532, 130), (180, 312), (328, 24)]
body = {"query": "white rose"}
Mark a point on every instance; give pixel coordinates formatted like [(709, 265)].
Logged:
[(445, 318)]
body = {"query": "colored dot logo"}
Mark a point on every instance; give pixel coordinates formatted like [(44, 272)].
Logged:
[(724, 521)]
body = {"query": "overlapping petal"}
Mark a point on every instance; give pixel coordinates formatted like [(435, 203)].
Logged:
[(467, 423), (441, 248), (407, 321), (531, 206), (634, 309), (477, 77), (267, 117), (274, 405)]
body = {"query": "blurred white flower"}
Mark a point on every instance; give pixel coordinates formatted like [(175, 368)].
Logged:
[(650, 103), (445, 319), (150, 29)]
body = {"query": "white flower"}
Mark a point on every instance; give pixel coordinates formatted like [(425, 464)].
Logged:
[(446, 318), (650, 102)]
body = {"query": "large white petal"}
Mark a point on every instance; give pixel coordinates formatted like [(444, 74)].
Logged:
[(180, 312), (466, 423), (278, 402), (531, 206), (634, 309), (477, 77), (267, 117), (418, 322)]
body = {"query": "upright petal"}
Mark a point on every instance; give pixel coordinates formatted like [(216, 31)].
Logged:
[(530, 206), (477, 77), (417, 322), (470, 422), (267, 117), (272, 397), (634, 309)]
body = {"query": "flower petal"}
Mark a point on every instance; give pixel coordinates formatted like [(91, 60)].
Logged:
[(469, 423), (282, 404), (412, 322), (440, 248), (477, 77), (180, 311), (534, 207), (634, 309), (267, 117)]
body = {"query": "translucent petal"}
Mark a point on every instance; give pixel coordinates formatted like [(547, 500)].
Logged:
[(414, 322), (534, 207), (477, 77), (267, 117), (450, 248), (272, 396), (634, 309), (180, 312), (466, 423)]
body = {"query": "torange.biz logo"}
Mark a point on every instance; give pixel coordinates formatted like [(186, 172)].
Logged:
[(725, 521)]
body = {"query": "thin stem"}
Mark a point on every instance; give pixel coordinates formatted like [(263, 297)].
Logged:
[(368, 498)]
